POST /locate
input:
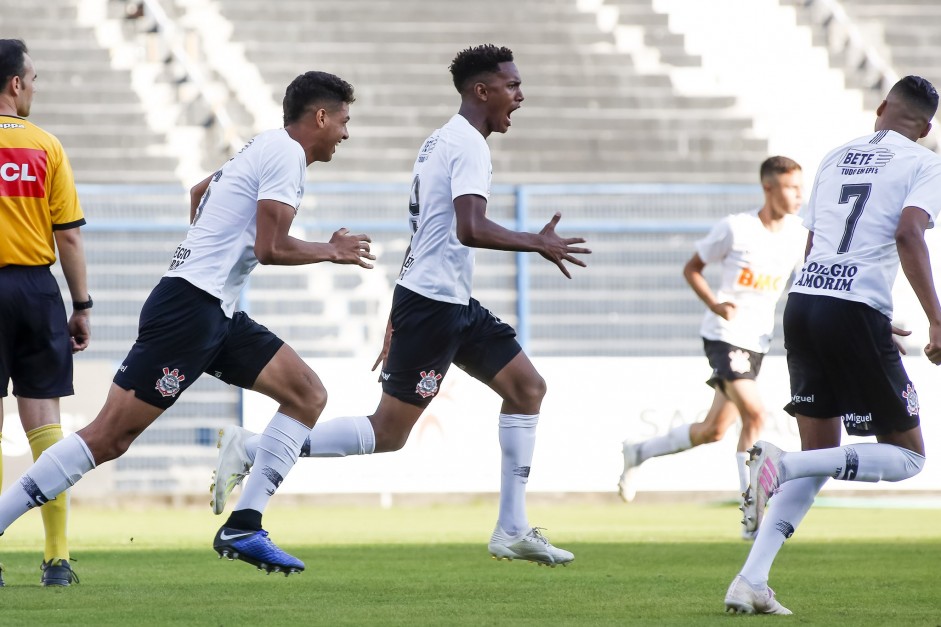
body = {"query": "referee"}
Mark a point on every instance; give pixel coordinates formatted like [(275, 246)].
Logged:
[(39, 213)]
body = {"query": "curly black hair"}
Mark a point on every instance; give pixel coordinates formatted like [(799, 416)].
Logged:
[(919, 93), (314, 88), (12, 59), (476, 60)]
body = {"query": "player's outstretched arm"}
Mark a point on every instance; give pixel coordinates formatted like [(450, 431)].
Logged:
[(476, 230), (274, 246), (916, 264)]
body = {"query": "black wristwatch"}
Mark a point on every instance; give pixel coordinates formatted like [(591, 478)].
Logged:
[(79, 306)]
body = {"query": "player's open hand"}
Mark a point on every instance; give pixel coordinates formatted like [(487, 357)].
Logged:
[(352, 249), (558, 249), (381, 359), (896, 333)]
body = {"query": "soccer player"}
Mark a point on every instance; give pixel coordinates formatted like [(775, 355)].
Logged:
[(240, 216), (757, 252), (871, 202), (39, 213), (435, 322)]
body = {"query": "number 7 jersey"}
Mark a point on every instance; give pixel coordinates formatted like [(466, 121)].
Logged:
[(857, 199)]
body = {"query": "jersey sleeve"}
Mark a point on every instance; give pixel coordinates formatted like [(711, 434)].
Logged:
[(64, 206), (470, 170), (925, 192), (282, 175), (717, 244)]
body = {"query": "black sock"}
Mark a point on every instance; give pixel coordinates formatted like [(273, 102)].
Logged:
[(244, 519)]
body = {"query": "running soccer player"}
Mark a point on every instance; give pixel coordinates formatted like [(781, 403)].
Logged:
[(871, 203), (240, 216), (757, 252), (435, 322)]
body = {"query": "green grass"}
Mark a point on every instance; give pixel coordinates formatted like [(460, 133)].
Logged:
[(640, 564)]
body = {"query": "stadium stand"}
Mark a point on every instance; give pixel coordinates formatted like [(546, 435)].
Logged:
[(876, 42), (607, 102), (84, 101), (589, 115)]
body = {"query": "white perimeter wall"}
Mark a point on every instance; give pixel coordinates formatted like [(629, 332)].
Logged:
[(592, 405)]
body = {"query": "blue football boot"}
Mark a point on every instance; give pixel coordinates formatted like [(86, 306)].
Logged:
[(256, 548)]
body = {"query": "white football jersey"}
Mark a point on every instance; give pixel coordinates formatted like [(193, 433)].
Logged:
[(218, 252), (854, 210), (454, 161), (755, 266)]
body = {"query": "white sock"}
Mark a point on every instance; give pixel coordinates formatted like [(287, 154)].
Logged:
[(58, 468), (517, 443), (743, 476), (339, 437), (855, 462), (676, 440), (277, 453), (787, 509)]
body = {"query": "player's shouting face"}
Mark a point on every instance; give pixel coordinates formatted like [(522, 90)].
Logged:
[(504, 95)]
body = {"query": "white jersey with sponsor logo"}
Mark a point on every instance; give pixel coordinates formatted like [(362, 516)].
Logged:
[(756, 265), (854, 210), (218, 252), (454, 161)]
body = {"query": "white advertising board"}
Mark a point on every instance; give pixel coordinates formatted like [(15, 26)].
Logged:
[(592, 405)]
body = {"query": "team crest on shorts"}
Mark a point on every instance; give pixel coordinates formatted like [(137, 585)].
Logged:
[(428, 385), (169, 383), (911, 396), (739, 361)]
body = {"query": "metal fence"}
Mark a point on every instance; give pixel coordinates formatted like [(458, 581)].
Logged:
[(630, 301)]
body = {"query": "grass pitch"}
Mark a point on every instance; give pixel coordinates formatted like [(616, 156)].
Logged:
[(640, 564)]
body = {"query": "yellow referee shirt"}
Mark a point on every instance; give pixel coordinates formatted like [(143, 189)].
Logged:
[(37, 193)]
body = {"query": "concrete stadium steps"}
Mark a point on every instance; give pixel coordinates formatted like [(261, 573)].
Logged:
[(904, 32), (657, 33), (569, 70), (77, 85)]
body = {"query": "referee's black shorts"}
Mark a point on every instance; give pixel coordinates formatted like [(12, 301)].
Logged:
[(35, 347)]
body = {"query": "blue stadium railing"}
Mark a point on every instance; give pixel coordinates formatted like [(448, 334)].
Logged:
[(601, 210)]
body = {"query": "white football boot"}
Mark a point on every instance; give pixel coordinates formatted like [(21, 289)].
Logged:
[(232, 466), (627, 485), (742, 598), (765, 476), (529, 545)]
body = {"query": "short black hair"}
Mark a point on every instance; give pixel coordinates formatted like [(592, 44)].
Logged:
[(476, 60), (314, 88), (12, 60), (919, 93), (777, 165)]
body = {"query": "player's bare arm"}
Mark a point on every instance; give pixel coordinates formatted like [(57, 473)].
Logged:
[(196, 195), (476, 230), (72, 257), (916, 264), (692, 272), (274, 246)]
